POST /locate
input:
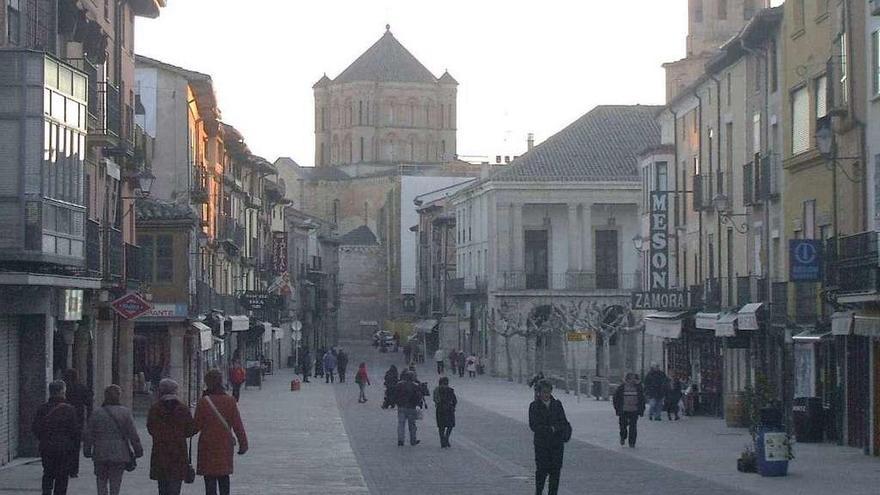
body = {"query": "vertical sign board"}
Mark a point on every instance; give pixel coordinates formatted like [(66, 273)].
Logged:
[(279, 253), (805, 260), (659, 240)]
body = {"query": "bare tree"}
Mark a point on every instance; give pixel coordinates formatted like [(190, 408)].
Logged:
[(507, 323)]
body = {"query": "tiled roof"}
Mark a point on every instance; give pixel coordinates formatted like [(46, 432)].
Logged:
[(386, 61), (151, 210), (361, 236), (602, 145)]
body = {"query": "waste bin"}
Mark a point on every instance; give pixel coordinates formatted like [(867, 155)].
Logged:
[(809, 419), (771, 447)]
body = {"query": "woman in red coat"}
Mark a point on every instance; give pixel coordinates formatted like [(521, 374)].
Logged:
[(219, 422), (170, 424)]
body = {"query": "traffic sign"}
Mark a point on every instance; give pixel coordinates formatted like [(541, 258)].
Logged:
[(580, 336), (296, 325), (131, 305), (805, 260)]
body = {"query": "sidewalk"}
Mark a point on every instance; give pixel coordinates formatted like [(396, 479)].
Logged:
[(702, 447), (298, 444)]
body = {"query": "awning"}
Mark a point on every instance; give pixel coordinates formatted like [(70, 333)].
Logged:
[(748, 316), (811, 335), (842, 323), (239, 323), (664, 325), (867, 326), (706, 321), (206, 336), (725, 326), (425, 326)]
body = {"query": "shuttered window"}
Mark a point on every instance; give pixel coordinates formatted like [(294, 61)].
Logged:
[(821, 97), (800, 121)]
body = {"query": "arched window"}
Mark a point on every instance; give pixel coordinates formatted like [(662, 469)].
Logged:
[(360, 112), (362, 150)]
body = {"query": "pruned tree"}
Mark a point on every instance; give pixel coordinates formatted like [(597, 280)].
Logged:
[(507, 323)]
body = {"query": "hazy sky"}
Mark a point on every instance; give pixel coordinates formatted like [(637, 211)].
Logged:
[(522, 66)]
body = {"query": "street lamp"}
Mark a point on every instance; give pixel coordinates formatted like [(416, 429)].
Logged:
[(825, 138), (722, 204), (145, 181), (639, 243)]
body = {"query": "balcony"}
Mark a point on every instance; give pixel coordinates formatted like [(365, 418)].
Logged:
[(853, 269), (232, 232), (132, 263), (93, 248), (199, 192), (107, 114), (702, 187), (713, 293), (466, 286), (115, 254), (750, 289), (568, 281)]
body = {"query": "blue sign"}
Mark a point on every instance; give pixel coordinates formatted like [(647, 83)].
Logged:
[(805, 260)]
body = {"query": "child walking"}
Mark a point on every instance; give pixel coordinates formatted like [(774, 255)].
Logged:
[(362, 379)]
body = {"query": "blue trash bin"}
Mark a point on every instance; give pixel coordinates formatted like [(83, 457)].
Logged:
[(772, 451)]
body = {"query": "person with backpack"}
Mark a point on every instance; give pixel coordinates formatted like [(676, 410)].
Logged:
[(341, 364), (170, 423), (221, 427), (56, 427), (444, 407), (111, 440), (629, 405), (362, 379), (552, 430), (237, 377)]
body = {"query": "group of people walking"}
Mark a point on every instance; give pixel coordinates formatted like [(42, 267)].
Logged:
[(459, 362), (663, 394), (328, 363), (108, 436)]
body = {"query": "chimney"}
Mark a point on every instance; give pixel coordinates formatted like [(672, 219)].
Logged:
[(530, 141)]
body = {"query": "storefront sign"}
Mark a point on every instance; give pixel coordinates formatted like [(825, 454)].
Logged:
[(167, 310), (131, 306), (660, 300), (70, 305), (659, 253), (805, 260), (254, 300)]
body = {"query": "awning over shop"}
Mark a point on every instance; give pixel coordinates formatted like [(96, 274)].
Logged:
[(725, 326), (867, 326), (425, 326), (811, 335), (706, 321), (747, 318), (842, 323), (239, 323), (664, 325), (206, 336)]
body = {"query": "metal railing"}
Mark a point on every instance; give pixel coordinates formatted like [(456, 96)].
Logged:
[(93, 247), (108, 111), (233, 231), (779, 308), (466, 285), (576, 281), (115, 253), (854, 262)]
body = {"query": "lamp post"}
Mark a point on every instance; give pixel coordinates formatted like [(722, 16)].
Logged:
[(722, 205)]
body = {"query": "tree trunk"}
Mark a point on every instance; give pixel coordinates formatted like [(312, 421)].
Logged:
[(606, 365)]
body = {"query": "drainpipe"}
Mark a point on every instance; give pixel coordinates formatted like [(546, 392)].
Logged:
[(700, 161), (677, 195), (718, 171)]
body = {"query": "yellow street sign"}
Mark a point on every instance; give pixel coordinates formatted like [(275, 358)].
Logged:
[(579, 336)]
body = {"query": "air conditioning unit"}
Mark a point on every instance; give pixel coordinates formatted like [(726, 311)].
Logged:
[(874, 5)]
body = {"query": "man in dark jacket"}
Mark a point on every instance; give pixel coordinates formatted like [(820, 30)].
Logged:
[(655, 390), (407, 396), (552, 429), (305, 364), (80, 397), (629, 405), (341, 364), (56, 426)]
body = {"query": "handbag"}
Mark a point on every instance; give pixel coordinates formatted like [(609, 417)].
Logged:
[(222, 419), (190, 476), (131, 465)]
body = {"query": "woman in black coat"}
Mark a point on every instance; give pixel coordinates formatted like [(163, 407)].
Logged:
[(552, 429), (391, 379), (444, 404), (673, 396)]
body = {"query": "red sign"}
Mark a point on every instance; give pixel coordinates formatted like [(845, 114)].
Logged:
[(131, 306)]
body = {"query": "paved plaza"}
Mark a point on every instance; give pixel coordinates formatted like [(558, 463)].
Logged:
[(321, 441)]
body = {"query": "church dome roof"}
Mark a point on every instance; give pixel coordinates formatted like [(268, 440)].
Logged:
[(386, 61)]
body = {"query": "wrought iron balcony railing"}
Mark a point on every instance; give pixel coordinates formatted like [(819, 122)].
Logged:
[(570, 281)]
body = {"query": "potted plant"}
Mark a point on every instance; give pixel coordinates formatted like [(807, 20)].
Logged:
[(748, 461)]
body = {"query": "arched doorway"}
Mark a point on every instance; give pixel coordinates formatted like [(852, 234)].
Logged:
[(619, 356)]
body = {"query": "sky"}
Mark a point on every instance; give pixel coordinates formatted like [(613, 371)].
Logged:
[(522, 66)]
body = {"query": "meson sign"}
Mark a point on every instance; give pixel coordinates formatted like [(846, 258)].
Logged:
[(659, 240)]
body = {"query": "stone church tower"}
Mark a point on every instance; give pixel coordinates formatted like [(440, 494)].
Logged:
[(711, 23), (386, 108)]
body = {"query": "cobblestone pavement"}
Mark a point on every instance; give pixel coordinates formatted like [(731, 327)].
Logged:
[(490, 454)]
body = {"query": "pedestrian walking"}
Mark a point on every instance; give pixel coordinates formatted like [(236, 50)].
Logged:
[(444, 407), (329, 366), (461, 361), (407, 351), (408, 397), (629, 405), (341, 364), (673, 398), (362, 379), (56, 428), (319, 362), (440, 358), (237, 377), (170, 423), (218, 420), (111, 440), (305, 364), (390, 382), (655, 391), (472, 366), (80, 397), (552, 430)]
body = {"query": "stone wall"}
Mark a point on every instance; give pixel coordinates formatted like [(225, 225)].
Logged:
[(362, 297)]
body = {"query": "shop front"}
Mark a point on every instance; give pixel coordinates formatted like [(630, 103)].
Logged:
[(166, 345)]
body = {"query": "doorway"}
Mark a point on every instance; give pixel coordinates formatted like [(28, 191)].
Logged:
[(606, 260), (536, 259)]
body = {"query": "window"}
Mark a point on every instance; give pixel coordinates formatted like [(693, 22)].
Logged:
[(821, 96), (729, 88), (722, 9), (875, 63), (158, 258), (844, 92), (661, 179), (728, 145), (800, 121), (774, 67), (360, 113), (13, 22), (756, 133), (362, 149), (809, 217)]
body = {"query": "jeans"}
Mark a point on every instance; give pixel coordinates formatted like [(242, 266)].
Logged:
[(328, 376), (212, 484), (170, 487), (55, 474), (445, 432), (406, 415), (363, 396), (628, 427), (655, 409), (109, 477)]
